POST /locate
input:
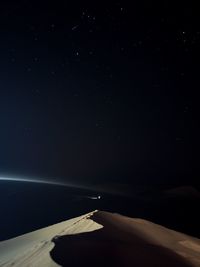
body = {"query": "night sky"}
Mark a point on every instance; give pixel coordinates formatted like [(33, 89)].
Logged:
[(99, 93)]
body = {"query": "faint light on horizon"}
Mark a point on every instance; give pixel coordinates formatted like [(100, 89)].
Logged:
[(40, 181)]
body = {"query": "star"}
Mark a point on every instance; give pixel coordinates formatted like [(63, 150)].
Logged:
[(75, 27)]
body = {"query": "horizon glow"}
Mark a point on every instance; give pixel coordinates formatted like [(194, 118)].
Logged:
[(49, 182)]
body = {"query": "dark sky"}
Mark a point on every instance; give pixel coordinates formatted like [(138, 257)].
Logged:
[(102, 92)]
